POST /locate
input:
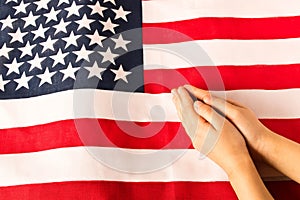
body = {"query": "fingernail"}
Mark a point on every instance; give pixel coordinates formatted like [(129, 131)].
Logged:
[(173, 91), (207, 99), (187, 86), (197, 105), (181, 89)]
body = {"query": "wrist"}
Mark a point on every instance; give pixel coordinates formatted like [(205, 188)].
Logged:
[(261, 144), (246, 181), (241, 166), (259, 137)]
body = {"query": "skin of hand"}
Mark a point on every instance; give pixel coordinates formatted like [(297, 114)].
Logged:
[(243, 118), (215, 136), (211, 134), (279, 152)]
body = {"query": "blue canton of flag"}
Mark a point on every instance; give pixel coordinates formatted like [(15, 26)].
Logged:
[(48, 46)]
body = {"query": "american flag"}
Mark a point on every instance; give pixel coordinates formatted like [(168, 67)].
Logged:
[(85, 104)]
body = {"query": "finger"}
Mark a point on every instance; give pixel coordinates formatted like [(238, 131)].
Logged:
[(199, 93), (200, 139), (187, 109), (196, 128), (186, 100), (227, 108), (238, 104), (190, 120), (209, 114), (174, 95)]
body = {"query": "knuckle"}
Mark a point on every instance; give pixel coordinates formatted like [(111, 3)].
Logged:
[(247, 110), (206, 110), (237, 113)]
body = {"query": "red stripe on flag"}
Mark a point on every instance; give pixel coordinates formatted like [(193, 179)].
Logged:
[(93, 132), (232, 77), (168, 135), (86, 190), (222, 28)]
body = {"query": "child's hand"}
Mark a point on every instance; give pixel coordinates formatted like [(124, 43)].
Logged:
[(281, 153), (215, 136), (243, 118), (211, 133)]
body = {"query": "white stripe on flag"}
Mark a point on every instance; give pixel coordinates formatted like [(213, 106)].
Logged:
[(154, 11), (78, 164), (140, 107), (222, 52)]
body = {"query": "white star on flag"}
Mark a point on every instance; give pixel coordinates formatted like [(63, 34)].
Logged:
[(27, 49), (45, 77), (36, 62), (121, 13), (83, 53), (84, 23), (48, 44), (95, 70), (59, 57), (3, 82), (7, 22), (112, 1), (120, 42), (13, 67), (61, 26), (69, 72), (73, 9), (52, 15), (43, 37), (71, 40), (97, 9), (62, 1), (16, 1), (41, 4), (96, 38), (108, 25), (108, 56), (17, 36), (23, 81), (40, 32), (21, 7), (4, 50), (30, 19), (120, 74)]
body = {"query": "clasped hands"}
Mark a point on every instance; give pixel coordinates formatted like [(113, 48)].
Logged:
[(226, 132)]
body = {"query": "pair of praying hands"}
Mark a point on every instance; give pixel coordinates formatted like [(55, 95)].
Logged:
[(227, 132)]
